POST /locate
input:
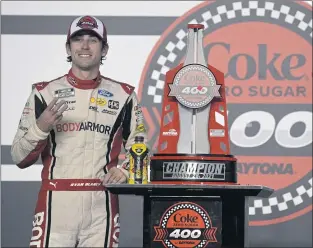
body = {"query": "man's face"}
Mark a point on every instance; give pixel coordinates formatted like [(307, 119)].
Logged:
[(86, 51)]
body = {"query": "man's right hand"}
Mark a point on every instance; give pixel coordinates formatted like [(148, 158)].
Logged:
[(52, 115)]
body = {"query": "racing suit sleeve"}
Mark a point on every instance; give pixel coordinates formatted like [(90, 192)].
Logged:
[(133, 125), (29, 140)]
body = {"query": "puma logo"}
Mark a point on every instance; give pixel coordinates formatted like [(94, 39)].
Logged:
[(54, 184)]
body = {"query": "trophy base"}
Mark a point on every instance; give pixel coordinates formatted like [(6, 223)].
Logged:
[(193, 169)]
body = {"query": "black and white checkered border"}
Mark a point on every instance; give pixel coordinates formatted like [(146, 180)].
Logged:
[(266, 206), (186, 206), (159, 75), (260, 7)]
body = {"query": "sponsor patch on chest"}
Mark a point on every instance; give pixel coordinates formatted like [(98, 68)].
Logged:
[(64, 93), (84, 126)]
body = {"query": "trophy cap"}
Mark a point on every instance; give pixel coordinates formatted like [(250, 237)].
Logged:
[(197, 26)]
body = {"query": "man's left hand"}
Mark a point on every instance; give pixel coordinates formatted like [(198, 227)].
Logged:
[(115, 175)]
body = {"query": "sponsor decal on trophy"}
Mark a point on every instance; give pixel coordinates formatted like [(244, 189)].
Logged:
[(194, 86)]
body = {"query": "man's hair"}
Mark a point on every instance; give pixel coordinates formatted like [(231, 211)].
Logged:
[(83, 32)]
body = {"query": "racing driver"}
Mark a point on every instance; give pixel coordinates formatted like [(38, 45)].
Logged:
[(78, 124)]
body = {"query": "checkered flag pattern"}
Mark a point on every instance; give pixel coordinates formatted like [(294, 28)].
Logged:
[(168, 243), (159, 75), (266, 206)]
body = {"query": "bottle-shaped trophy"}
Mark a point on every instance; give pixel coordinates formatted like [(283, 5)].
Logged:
[(138, 162), (194, 142), (195, 86)]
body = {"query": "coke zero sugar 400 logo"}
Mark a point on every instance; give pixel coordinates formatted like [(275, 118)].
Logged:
[(264, 49), (185, 224), (201, 92)]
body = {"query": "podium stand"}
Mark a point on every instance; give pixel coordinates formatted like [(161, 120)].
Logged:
[(228, 215)]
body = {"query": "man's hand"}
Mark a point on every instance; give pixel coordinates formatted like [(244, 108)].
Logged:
[(51, 115), (115, 175)]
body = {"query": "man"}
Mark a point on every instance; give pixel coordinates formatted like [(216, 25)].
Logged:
[(77, 123)]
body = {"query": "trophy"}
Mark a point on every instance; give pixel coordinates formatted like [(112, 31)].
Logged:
[(193, 144)]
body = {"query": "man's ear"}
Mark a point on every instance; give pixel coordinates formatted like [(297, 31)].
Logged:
[(105, 50), (68, 49)]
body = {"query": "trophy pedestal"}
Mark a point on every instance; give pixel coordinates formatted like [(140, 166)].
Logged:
[(192, 168), (194, 215)]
